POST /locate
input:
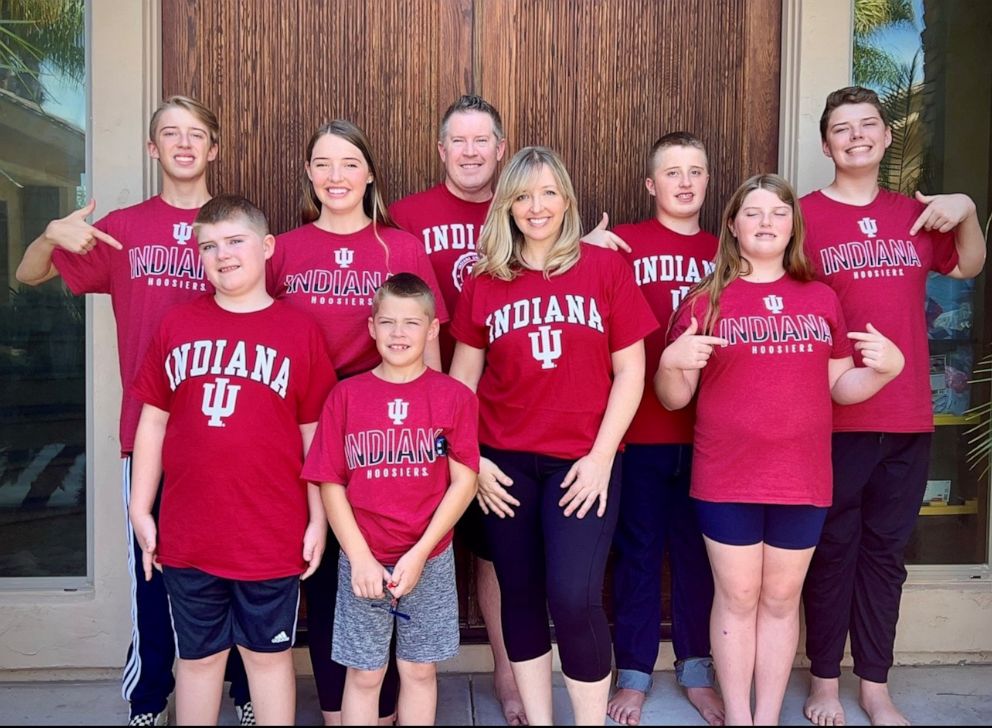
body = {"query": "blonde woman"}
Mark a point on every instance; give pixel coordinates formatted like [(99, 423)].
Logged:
[(767, 348), (550, 334)]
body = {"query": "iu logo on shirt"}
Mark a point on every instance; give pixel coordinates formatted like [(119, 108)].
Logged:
[(344, 257), (773, 303), (545, 345), (868, 226), (463, 268), (182, 231), (219, 400), (398, 410)]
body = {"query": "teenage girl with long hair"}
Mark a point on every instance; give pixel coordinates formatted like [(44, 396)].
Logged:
[(767, 348), (332, 266)]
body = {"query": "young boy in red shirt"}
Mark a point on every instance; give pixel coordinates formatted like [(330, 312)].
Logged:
[(875, 248), (232, 386), (397, 454)]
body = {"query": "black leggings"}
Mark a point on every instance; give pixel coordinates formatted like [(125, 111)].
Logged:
[(545, 561), (321, 590)]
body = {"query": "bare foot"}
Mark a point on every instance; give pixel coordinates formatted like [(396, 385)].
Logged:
[(625, 706), (877, 703), (708, 702), (823, 703), (508, 696)]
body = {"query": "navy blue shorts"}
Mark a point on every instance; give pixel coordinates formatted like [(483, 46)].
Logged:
[(745, 524), (211, 614)]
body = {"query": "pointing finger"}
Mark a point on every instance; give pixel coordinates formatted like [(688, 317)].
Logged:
[(108, 239)]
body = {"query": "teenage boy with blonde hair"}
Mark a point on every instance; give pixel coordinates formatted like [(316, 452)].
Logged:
[(144, 258)]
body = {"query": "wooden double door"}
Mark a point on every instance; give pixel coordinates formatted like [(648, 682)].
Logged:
[(597, 80)]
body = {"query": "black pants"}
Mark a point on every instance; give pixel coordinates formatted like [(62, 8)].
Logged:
[(855, 580), (321, 592), (545, 561)]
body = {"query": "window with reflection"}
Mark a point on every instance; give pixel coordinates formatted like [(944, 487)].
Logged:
[(43, 515), (923, 58)]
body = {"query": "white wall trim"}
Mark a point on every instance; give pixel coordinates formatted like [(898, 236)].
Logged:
[(817, 49)]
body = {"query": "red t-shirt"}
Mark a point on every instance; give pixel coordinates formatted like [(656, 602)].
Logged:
[(866, 254), (548, 343), (763, 414), (449, 228), (389, 444), (334, 278), (237, 387), (666, 265), (158, 268)]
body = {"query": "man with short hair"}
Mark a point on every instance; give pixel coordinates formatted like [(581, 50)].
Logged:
[(448, 219)]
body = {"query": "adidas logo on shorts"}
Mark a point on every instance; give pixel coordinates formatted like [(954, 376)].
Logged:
[(280, 638)]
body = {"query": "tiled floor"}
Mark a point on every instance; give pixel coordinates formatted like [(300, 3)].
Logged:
[(952, 695)]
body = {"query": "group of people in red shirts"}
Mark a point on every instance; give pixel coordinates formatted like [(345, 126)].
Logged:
[(756, 402)]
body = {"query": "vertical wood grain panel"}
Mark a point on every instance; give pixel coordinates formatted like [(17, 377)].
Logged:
[(274, 72), (600, 80)]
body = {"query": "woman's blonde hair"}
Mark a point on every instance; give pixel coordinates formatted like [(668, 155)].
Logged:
[(730, 265), (501, 242)]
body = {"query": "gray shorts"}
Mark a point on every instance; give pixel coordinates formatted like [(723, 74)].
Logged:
[(427, 631)]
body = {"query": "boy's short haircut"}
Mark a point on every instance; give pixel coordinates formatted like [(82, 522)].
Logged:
[(850, 95), (674, 139), (406, 285), (470, 102), (224, 208), (201, 112)]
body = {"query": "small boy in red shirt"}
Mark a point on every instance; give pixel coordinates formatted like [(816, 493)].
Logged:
[(232, 386), (397, 454)]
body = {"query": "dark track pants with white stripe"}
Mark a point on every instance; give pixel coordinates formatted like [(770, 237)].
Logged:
[(148, 681)]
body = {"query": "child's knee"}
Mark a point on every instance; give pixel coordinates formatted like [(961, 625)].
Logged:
[(423, 672), (366, 679)]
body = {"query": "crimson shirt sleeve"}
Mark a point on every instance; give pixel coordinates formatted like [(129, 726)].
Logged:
[(326, 461), (151, 385), (945, 252), (90, 273), (842, 345), (463, 328), (321, 380), (631, 318), (682, 317), (463, 440)]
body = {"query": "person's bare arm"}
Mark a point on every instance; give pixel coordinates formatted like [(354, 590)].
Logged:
[(677, 377), (956, 212), (71, 233)]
